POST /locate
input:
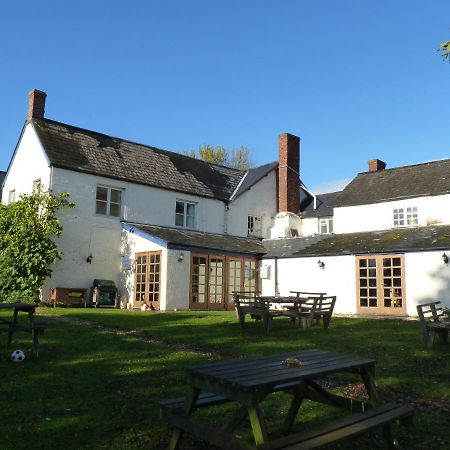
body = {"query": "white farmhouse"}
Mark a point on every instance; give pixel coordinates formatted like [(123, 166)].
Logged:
[(174, 232)]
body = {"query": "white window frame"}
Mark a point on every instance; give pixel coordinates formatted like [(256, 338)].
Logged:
[(405, 217), (254, 226), (184, 216), (11, 196), (327, 222), (108, 202)]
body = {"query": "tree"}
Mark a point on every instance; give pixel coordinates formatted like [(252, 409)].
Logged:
[(237, 158), (444, 50), (27, 250), (216, 155)]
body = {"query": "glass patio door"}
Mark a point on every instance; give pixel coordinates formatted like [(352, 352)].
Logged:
[(216, 295), (147, 283), (380, 285)]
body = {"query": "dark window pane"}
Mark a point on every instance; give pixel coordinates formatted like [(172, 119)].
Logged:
[(372, 282), (397, 272), (387, 302), (363, 282), (372, 302), (179, 209), (372, 272), (363, 302), (386, 262), (396, 262), (363, 272), (116, 196), (372, 262), (387, 272), (114, 210), (363, 263), (100, 207), (179, 220), (102, 194)]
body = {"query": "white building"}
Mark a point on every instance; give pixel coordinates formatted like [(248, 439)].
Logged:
[(174, 232)]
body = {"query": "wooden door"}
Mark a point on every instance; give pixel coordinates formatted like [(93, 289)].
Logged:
[(216, 285), (147, 286), (380, 285), (235, 279), (199, 282)]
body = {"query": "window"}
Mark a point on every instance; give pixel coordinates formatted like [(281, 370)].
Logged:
[(254, 226), (108, 201), (11, 196), (408, 218), (326, 225), (36, 185), (185, 214)]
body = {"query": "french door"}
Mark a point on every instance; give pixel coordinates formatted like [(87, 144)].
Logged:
[(215, 277), (380, 285), (147, 286)]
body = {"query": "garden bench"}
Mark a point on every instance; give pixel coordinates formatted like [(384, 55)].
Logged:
[(432, 321)]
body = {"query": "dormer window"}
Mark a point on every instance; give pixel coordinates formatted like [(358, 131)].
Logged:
[(254, 226), (185, 214), (406, 217), (326, 225)]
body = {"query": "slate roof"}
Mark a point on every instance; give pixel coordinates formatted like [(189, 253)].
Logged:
[(324, 206), (253, 176), (2, 177), (435, 237), (432, 178), (82, 150), (180, 238)]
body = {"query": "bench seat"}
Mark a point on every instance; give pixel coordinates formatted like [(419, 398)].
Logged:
[(345, 428), (433, 323)]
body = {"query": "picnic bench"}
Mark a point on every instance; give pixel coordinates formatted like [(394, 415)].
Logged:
[(432, 321), (325, 306), (246, 383), (31, 326), (265, 308)]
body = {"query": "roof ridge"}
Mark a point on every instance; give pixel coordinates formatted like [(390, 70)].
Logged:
[(45, 119), (406, 167)]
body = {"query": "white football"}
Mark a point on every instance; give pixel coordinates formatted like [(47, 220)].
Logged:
[(17, 356)]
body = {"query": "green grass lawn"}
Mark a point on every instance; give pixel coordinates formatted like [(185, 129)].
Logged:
[(97, 386)]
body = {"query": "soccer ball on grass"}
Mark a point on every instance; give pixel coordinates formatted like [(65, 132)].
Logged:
[(17, 356)]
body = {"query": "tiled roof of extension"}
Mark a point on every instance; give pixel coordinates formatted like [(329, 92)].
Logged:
[(2, 177), (82, 150), (432, 178), (436, 237), (197, 239)]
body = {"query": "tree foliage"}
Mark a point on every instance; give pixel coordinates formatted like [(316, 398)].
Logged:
[(238, 158), (444, 50), (27, 250)]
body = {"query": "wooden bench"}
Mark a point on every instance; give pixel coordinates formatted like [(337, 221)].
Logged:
[(345, 428), (432, 322)]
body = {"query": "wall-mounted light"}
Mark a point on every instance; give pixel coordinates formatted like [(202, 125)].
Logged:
[(180, 256), (445, 258), (321, 264), (89, 259)]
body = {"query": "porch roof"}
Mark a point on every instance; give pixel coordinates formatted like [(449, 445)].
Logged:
[(415, 239), (196, 240)]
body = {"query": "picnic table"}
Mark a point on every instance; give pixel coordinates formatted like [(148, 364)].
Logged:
[(248, 382), (13, 325), (304, 309)]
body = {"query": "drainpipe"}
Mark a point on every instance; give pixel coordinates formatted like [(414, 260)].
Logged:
[(225, 217), (277, 292)]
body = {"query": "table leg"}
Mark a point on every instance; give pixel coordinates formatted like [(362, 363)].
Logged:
[(297, 400), (258, 425), (12, 327), (191, 400), (368, 375)]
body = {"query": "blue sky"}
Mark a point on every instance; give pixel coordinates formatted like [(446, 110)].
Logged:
[(355, 80)]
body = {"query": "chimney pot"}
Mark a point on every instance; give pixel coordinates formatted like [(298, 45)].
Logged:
[(288, 173), (376, 165), (36, 104)]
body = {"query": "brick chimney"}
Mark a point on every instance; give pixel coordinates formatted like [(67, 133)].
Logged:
[(36, 104), (376, 165), (288, 173)]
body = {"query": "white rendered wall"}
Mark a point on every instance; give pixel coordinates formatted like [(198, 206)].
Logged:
[(304, 274), (178, 280), (260, 200), (310, 226), (30, 163), (379, 216), (427, 279)]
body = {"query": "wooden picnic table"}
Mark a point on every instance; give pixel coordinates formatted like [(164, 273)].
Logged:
[(248, 382), (13, 325)]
